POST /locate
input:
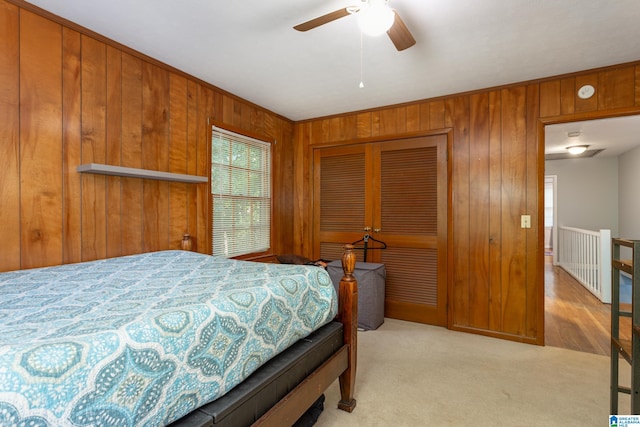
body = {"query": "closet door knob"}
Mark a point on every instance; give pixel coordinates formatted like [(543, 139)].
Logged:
[(367, 229), (377, 230)]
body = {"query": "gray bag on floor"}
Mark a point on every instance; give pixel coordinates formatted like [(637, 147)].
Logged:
[(371, 278)]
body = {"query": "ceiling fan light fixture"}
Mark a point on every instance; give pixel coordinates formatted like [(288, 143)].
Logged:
[(375, 18), (577, 149)]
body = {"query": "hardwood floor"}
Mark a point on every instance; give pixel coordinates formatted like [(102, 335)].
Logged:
[(574, 318)]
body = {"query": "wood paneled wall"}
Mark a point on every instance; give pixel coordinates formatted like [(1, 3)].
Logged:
[(70, 97), (496, 284)]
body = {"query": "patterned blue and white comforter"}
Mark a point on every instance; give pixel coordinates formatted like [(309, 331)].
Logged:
[(145, 339)]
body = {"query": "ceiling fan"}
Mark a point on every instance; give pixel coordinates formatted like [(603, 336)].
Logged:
[(371, 11)]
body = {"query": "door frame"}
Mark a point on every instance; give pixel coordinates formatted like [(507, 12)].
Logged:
[(542, 123)]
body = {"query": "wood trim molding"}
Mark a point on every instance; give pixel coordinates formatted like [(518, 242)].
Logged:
[(247, 133), (591, 115), (478, 91), (382, 138)]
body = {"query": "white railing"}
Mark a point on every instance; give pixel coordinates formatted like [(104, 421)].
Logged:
[(586, 255)]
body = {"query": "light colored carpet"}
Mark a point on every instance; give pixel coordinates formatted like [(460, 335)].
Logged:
[(411, 374)]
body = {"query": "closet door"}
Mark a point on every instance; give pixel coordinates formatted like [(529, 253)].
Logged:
[(410, 216), (397, 192), (341, 191)]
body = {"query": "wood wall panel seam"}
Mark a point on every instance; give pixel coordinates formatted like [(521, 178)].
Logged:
[(10, 231), (534, 277)]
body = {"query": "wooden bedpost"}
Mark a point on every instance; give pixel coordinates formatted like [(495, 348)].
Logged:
[(342, 363), (348, 314)]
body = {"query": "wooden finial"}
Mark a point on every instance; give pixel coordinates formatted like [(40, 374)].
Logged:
[(348, 261), (186, 243)]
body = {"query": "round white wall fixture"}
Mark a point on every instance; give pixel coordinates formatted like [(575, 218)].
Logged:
[(586, 91)]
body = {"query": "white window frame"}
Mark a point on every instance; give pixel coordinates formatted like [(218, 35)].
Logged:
[(241, 194)]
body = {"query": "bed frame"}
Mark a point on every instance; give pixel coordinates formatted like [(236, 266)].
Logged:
[(340, 364)]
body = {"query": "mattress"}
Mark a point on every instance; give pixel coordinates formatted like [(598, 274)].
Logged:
[(145, 339), (271, 382)]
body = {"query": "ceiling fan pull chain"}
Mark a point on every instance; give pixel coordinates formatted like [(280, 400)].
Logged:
[(361, 60)]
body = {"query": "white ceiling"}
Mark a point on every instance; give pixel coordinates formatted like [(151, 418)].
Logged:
[(615, 136), (249, 48)]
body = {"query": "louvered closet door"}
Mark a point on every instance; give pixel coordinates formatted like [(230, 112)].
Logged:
[(411, 214), (398, 189), (341, 191)]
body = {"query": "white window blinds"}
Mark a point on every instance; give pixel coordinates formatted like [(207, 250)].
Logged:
[(241, 194)]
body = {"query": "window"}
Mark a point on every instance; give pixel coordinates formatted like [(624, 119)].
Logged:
[(241, 194), (548, 201)]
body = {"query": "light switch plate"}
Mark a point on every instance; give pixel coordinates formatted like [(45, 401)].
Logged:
[(525, 221)]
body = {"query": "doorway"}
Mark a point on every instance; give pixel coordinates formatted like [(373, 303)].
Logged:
[(586, 196)]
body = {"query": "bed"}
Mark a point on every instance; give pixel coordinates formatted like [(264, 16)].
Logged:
[(163, 337)]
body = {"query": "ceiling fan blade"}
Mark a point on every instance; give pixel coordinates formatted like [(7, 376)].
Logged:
[(400, 34), (324, 19)]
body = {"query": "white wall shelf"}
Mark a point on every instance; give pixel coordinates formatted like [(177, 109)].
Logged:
[(139, 173)]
